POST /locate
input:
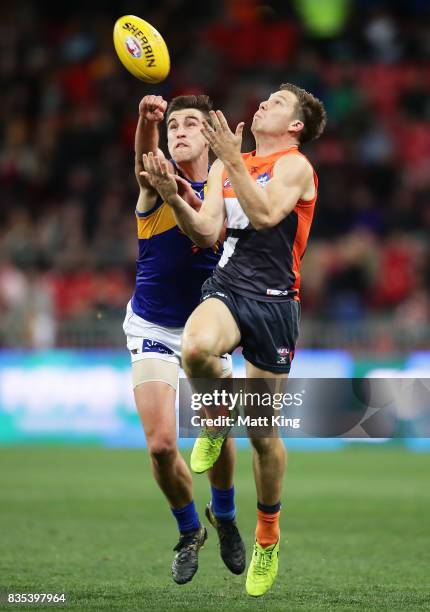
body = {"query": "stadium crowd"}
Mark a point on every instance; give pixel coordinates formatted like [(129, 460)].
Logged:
[(68, 113)]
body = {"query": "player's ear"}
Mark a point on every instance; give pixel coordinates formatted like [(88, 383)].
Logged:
[(296, 126)]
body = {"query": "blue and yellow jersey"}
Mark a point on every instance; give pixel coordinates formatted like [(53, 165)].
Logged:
[(170, 268)]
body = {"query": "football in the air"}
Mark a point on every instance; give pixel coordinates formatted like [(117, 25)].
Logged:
[(141, 49)]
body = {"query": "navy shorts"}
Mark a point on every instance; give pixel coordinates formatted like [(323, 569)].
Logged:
[(269, 330)]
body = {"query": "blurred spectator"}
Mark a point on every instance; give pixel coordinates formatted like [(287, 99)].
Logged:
[(68, 109), (382, 36)]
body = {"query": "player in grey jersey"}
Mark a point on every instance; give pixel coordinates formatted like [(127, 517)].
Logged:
[(272, 205)]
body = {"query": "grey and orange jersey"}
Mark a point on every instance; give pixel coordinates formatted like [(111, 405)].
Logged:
[(264, 264)]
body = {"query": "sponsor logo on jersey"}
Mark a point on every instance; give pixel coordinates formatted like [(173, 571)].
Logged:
[(153, 346), (219, 293), (262, 179), (133, 47), (276, 292)]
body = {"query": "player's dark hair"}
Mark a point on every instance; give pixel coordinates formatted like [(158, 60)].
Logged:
[(310, 110), (201, 102)]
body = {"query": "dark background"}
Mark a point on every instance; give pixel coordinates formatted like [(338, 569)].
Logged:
[(68, 113)]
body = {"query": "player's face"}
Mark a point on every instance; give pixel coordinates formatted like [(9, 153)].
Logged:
[(184, 138), (276, 115)]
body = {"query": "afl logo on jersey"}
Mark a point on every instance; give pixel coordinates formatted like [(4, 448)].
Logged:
[(227, 183), (262, 179), (133, 47)]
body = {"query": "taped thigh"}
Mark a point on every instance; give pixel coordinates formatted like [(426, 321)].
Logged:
[(153, 369)]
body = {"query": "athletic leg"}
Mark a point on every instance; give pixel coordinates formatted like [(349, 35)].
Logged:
[(221, 474), (210, 332), (155, 401), (268, 460), (269, 454)]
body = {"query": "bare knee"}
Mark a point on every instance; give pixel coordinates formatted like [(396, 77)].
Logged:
[(196, 352), (162, 449)]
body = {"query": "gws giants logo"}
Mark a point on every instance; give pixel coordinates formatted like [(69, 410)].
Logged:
[(133, 47), (262, 179)]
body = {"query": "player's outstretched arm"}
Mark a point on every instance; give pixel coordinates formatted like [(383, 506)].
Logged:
[(151, 114), (203, 226)]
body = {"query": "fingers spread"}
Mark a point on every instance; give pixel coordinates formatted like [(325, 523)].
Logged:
[(206, 126), (150, 165), (157, 168), (239, 128), (207, 132), (222, 120), (215, 120), (163, 166), (154, 164), (146, 162)]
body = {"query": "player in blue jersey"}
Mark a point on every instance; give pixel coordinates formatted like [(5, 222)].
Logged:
[(170, 273), (268, 198)]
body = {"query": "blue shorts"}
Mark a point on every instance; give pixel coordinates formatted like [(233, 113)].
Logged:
[(269, 330)]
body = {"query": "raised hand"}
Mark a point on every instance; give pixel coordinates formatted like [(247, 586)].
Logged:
[(157, 174), (152, 108), (224, 143)]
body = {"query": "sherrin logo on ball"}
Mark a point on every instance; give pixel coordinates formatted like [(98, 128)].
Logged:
[(141, 49)]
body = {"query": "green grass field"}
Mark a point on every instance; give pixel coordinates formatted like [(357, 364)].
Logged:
[(91, 523)]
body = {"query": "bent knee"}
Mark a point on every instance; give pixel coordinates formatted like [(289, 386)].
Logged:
[(162, 449), (196, 349)]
